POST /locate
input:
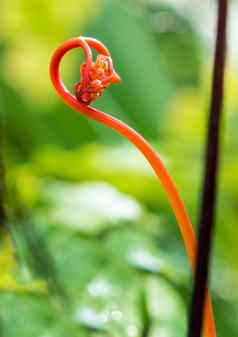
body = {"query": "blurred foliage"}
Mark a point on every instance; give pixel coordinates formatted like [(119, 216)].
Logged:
[(93, 248)]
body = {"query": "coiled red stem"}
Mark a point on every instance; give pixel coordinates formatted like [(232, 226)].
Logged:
[(85, 93)]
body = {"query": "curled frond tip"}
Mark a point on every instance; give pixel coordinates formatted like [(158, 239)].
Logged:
[(101, 74), (95, 76)]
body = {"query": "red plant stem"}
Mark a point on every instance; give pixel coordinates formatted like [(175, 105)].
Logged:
[(142, 145)]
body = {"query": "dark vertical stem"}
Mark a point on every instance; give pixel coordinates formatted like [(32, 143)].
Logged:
[(210, 178)]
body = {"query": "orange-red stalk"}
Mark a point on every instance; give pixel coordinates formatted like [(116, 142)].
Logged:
[(110, 76)]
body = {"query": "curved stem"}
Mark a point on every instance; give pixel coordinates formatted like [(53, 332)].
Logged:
[(144, 147)]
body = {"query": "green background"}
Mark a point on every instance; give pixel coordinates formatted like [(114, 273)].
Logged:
[(95, 248)]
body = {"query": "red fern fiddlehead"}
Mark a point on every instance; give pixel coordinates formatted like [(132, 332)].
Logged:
[(95, 78)]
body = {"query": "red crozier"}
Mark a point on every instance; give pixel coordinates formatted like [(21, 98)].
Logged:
[(95, 78)]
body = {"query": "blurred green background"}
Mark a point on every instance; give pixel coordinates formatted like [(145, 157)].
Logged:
[(94, 248)]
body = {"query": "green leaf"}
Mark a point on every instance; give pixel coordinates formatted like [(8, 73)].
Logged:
[(25, 315), (111, 303), (137, 250), (171, 329), (91, 208), (77, 260), (164, 302)]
